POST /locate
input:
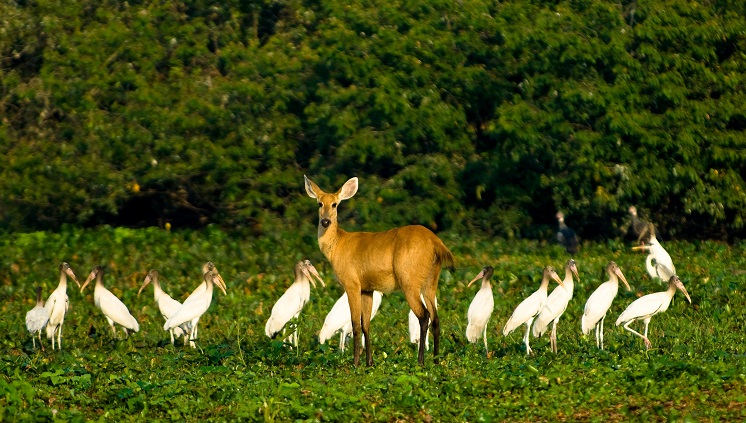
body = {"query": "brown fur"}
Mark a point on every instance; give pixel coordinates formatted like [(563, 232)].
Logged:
[(407, 258)]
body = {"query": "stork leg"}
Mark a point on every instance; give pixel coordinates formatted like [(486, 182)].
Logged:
[(171, 332), (602, 331), (644, 337), (33, 340), (484, 335), (40, 343), (525, 337), (59, 336), (553, 336), (342, 336), (648, 344)]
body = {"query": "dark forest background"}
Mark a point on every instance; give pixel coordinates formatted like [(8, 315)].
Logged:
[(461, 115)]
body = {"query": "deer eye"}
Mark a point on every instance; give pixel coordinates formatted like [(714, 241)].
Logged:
[(334, 205)]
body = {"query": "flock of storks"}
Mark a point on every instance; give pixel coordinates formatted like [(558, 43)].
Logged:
[(537, 312)]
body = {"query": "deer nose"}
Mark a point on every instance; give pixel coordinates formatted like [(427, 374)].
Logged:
[(326, 222)]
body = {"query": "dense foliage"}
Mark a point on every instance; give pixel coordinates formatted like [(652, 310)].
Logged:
[(479, 114), (696, 370)]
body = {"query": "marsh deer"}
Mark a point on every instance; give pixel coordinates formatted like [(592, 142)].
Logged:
[(407, 258)]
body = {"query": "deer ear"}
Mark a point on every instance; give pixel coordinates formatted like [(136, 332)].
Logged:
[(311, 188), (348, 189)]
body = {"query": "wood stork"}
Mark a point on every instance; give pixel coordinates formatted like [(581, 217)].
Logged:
[(566, 236), (481, 308), (599, 303), (292, 301), (113, 308), (647, 306), (556, 305), (338, 319), (57, 305), (166, 305), (658, 255), (37, 318), (639, 229), (529, 308), (195, 306), (198, 293)]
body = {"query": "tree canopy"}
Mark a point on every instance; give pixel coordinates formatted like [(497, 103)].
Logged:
[(464, 115)]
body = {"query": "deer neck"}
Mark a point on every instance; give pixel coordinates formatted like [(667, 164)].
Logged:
[(328, 239)]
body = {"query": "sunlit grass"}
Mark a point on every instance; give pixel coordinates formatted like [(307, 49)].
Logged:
[(696, 369)]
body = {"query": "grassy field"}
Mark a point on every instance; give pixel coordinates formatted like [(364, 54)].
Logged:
[(696, 370)]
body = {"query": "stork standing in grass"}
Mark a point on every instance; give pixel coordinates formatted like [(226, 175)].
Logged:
[(112, 307), (599, 303), (481, 308), (292, 301), (166, 305), (529, 308), (645, 307), (195, 306), (556, 305), (566, 236), (57, 305), (37, 318)]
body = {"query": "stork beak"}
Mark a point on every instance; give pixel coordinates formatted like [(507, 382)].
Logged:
[(219, 282), (680, 285), (557, 279), (621, 276), (91, 277), (479, 276), (144, 284), (641, 247), (309, 270), (574, 270), (70, 273)]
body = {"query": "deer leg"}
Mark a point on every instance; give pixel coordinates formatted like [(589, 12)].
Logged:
[(419, 310), (431, 302), (366, 309), (354, 300)]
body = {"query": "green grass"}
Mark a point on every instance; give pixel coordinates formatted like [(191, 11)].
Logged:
[(696, 370)]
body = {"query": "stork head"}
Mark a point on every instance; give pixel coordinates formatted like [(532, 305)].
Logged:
[(485, 275), (572, 267), (310, 272), (614, 271), (152, 277), (66, 269), (675, 281)]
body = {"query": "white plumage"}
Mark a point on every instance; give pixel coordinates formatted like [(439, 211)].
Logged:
[(57, 305), (481, 308), (197, 295), (658, 255), (37, 318), (292, 301), (113, 308), (645, 307), (166, 305), (195, 306), (556, 305), (529, 308), (338, 319), (599, 303)]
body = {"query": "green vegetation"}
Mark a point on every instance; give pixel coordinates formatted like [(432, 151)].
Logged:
[(696, 370), (457, 115)]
